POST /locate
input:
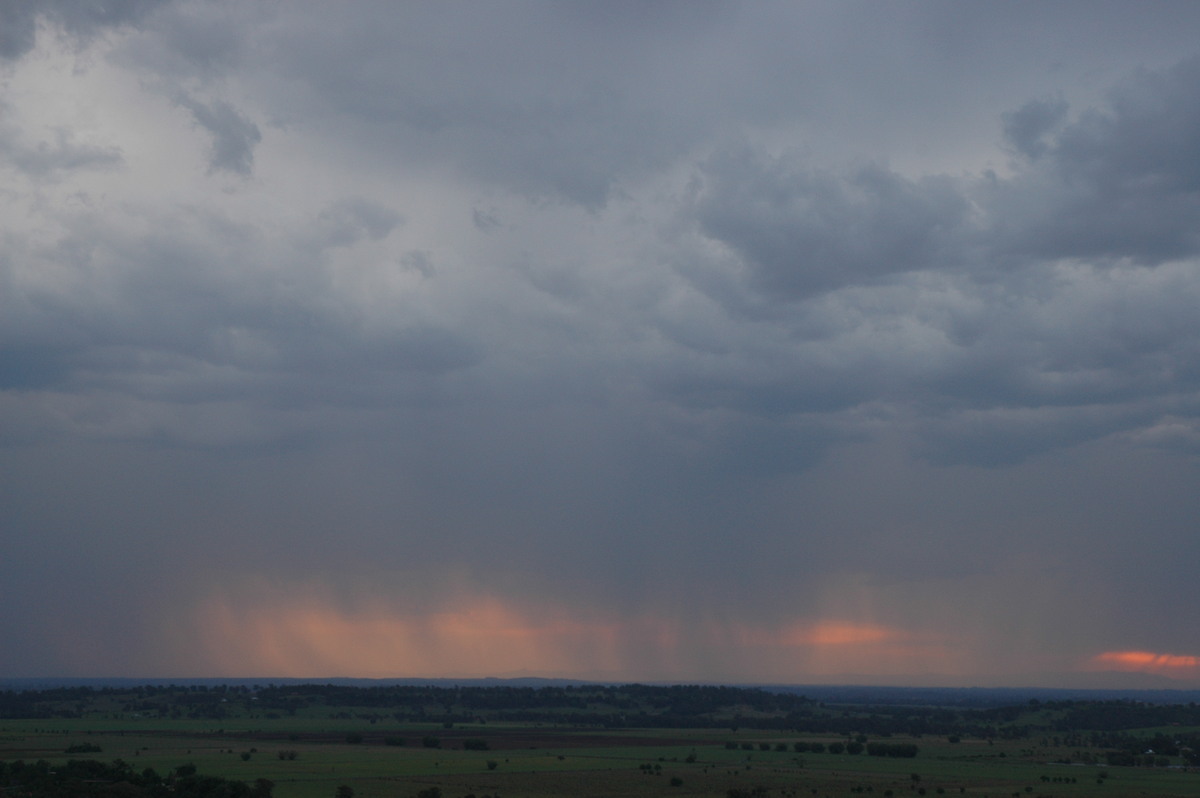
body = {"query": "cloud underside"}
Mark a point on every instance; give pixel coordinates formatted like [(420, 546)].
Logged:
[(624, 305), (998, 316)]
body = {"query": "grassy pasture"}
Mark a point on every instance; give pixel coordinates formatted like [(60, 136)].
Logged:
[(538, 762), (552, 760)]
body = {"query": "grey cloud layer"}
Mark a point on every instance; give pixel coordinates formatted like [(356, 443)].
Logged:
[(56, 154), (804, 232), (234, 136), (834, 287), (1063, 284), (535, 284), (80, 20)]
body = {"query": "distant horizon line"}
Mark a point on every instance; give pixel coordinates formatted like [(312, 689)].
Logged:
[(1162, 685)]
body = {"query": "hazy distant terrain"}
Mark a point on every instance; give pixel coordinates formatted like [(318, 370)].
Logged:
[(849, 694)]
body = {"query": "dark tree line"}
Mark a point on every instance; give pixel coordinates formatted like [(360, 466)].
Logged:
[(118, 779), (615, 706)]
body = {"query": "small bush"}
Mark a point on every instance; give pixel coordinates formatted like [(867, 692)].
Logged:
[(84, 748)]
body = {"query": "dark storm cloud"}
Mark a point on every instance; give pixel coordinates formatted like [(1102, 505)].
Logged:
[(347, 220), (1027, 127), (182, 308), (807, 231), (1119, 181), (35, 366), (185, 41), (1031, 300), (529, 97), (707, 316), (234, 137), (56, 152), (1110, 182), (81, 19)]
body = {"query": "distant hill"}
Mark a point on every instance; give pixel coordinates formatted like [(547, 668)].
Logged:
[(53, 682), (1098, 687)]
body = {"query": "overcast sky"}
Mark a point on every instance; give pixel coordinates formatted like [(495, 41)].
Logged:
[(756, 342)]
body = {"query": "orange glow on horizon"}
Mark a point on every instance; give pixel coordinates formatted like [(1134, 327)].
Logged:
[(305, 634), (1148, 661), (483, 638), (829, 633), (840, 633)]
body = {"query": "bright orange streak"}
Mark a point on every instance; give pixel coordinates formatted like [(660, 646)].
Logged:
[(482, 639), (303, 632), (836, 633), (800, 635), (1146, 660)]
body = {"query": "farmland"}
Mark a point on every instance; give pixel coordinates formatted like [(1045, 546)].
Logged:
[(321, 741)]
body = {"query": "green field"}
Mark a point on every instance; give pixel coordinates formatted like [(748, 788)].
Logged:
[(312, 752)]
